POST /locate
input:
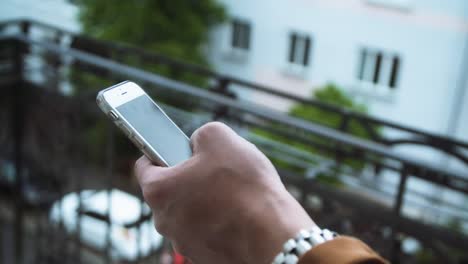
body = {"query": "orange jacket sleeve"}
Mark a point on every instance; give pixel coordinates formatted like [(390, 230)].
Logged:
[(342, 250)]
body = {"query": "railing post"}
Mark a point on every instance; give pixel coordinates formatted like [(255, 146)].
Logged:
[(339, 156), (18, 112), (110, 151), (396, 245), (401, 191), (77, 239), (56, 62), (25, 26), (222, 87)]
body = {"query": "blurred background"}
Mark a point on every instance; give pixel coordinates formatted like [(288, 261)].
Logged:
[(362, 105)]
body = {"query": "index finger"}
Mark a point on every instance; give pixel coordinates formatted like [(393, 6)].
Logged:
[(145, 169)]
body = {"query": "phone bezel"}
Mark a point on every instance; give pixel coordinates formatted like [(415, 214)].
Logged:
[(109, 99), (122, 94)]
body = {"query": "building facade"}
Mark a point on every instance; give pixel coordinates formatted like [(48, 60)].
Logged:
[(405, 59)]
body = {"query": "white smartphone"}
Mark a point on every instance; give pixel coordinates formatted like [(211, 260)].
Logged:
[(145, 123)]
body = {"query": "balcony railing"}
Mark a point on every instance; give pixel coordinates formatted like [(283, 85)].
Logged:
[(49, 79)]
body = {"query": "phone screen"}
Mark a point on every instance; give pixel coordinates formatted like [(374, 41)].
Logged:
[(154, 126)]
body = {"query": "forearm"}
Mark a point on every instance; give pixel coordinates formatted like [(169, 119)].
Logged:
[(279, 218)]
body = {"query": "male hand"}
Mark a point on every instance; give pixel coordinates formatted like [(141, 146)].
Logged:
[(226, 204)]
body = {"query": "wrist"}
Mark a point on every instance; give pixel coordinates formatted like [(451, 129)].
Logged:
[(278, 218)]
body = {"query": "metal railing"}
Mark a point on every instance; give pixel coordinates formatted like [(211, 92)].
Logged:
[(59, 51)]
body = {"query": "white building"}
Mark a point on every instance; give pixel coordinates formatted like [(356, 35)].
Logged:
[(405, 59)]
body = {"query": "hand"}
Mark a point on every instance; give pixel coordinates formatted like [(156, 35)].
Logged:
[(226, 204)]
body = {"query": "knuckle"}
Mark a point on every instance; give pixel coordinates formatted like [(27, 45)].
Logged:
[(152, 192), (144, 178), (211, 130), (156, 197), (252, 145), (214, 128)]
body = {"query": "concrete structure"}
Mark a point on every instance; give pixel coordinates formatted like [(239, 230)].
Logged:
[(426, 39)]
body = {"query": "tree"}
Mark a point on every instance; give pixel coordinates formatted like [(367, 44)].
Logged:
[(178, 29), (333, 95)]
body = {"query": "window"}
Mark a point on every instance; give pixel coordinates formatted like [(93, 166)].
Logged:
[(299, 49), (240, 38), (379, 68)]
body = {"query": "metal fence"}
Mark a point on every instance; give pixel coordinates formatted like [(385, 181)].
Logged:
[(58, 152)]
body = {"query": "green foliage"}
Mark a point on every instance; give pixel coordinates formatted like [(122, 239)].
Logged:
[(330, 94), (333, 95), (177, 28)]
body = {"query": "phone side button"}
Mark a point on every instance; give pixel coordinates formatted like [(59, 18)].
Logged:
[(139, 142), (113, 115), (125, 130)]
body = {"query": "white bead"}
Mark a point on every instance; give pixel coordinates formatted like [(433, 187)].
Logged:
[(303, 234), (302, 247), (279, 259), (316, 239), (291, 259), (289, 245), (327, 234)]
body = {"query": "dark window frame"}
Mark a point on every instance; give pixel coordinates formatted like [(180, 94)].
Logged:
[(377, 59), (295, 40), (395, 72), (241, 31), (377, 67)]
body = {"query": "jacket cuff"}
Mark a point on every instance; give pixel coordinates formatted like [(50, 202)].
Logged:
[(342, 250)]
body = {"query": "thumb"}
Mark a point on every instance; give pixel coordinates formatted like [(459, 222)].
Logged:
[(211, 135)]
